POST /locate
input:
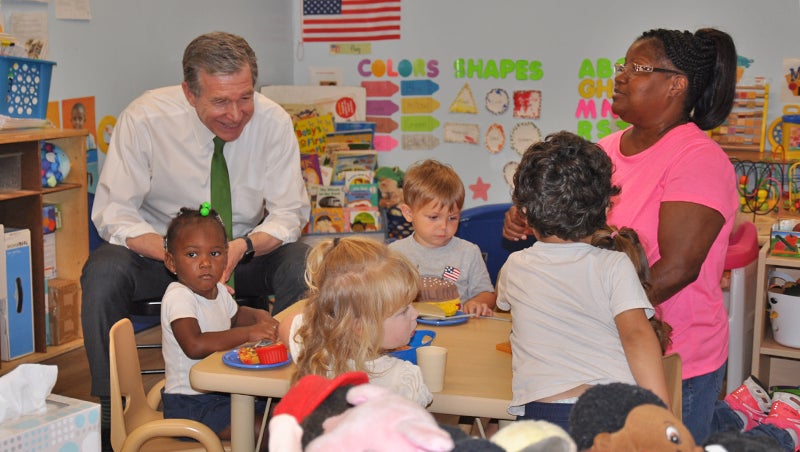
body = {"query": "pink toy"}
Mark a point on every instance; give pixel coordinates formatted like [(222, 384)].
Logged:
[(379, 421)]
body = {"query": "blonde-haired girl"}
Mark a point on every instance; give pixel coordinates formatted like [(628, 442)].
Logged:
[(358, 308)]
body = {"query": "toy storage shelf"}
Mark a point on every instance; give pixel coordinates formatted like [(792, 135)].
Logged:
[(23, 209), (765, 349)]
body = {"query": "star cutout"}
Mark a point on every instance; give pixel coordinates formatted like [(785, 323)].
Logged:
[(480, 189)]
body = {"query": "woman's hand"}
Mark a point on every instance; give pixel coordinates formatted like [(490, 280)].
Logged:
[(515, 227)]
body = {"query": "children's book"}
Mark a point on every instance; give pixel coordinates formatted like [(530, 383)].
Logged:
[(330, 196), (327, 221), (362, 195), (363, 219), (357, 125), (312, 173), (312, 132), (366, 160), (327, 174), (354, 139), (349, 178)]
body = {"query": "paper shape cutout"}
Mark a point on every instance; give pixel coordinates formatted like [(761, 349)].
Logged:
[(385, 143), (415, 105), (383, 124), (380, 88), (524, 135), (480, 189), (527, 104), (383, 107), (464, 101), (495, 138), (419, 141), (497, 101), (418, 87), (508, 173), (421, 123), (461, 133), (104, 130)]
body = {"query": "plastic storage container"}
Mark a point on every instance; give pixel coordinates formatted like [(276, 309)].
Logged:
[(27, 90), (784, 314)]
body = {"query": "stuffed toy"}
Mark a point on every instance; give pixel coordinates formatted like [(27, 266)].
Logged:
[(390, 186), (347, 413), (369, 418), (626, 418), (622, 417)]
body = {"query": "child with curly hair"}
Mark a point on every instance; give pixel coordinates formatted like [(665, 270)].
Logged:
[(579, 312)]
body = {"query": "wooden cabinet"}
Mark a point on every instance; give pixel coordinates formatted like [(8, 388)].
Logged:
[(23, 209), (765, 350)]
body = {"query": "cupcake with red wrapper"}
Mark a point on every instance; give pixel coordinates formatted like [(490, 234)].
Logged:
[(272, 353)]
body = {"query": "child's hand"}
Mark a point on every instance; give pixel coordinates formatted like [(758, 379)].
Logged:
[(477, 308), (263, 330)]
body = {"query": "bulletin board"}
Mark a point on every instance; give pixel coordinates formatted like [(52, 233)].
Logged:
[(473, 83)]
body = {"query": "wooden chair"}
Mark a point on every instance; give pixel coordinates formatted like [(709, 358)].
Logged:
[(136, 424), (673, 372)]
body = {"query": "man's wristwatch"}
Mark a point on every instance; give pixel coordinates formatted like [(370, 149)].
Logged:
[(248, 255)]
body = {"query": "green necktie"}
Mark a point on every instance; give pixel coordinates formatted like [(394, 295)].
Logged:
[(221, 190), (221, 187)]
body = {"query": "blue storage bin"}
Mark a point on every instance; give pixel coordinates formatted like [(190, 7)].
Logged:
[(27, 91)]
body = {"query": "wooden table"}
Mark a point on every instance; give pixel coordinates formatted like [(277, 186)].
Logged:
[(477, 377)]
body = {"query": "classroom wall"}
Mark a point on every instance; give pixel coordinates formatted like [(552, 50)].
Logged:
[(566, 39), (131, 46)]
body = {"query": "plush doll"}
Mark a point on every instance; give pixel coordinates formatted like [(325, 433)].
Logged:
[(369, 418), (627, 418), (390, 186)]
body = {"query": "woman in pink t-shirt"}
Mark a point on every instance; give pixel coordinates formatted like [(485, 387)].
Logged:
[(678, 193)]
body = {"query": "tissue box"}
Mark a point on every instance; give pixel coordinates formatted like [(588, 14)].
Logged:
[(17, 312), (64, 304), (68, 424)]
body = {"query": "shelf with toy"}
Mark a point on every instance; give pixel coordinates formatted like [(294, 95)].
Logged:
[(767, 352), (745, 128)]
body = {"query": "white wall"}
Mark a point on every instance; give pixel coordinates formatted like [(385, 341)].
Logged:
[(560, 34), (131, 46)]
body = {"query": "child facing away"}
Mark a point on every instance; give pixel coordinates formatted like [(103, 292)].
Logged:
[(579, 312), (358, 308), (433, 196), (200, 317)]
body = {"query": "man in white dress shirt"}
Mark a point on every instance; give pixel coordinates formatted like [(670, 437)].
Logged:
[(159, 160)]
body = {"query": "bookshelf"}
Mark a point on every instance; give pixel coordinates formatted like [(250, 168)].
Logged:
[(22, 208)]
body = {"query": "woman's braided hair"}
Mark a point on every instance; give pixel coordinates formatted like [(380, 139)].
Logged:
[(708, 58)]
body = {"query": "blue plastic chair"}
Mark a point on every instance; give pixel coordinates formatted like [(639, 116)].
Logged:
[(483, 226)]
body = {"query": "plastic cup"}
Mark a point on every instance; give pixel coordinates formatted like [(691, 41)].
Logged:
[(432, 360)]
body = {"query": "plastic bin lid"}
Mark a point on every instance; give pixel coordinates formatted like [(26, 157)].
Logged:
[(742, 247)]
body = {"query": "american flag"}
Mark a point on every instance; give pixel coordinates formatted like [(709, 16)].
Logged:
[(351, 20), (451, 273)]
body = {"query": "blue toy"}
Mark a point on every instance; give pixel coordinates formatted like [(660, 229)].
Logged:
[(55, 165)]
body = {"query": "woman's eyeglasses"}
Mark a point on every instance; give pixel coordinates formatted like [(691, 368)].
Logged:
[(641, 68)]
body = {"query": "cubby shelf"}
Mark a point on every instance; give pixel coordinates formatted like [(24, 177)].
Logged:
[(23, 209), (765, 349)]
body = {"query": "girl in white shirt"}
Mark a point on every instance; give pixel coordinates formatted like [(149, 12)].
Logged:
[(358, 308)]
